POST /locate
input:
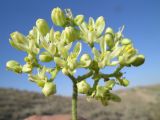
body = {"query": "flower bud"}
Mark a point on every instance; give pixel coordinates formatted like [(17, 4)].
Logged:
[(18, 38), (27, 68), (124, 82), (109, 40), (72, 63), (58, 17), (78, 20), (14, 66), (65, 71), (42, 26), (26, 59), (69, 34), (121, 60), (60, 62), (49, 89), (100, 25), (57, 35), (83, 87), (125, 41), (109, 30), (130, 49), (52, 50), (85, 60), (139, 60), (45, 57)]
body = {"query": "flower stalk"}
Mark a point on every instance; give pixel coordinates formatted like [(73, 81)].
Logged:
[(74, 102)]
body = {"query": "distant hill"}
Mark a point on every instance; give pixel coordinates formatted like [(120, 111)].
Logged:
[(141, 103)]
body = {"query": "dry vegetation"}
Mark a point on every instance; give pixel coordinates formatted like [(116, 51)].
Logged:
[(142, 103)]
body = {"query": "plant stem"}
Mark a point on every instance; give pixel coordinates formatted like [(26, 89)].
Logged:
[(80, 78), (112, 74), (74, 97), (74, 101)]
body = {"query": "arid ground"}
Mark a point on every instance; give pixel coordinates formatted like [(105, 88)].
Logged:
[(141, 103)]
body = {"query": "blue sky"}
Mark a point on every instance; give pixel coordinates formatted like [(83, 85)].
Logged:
[(141, 18)]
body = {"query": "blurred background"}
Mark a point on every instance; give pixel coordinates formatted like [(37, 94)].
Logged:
[(142, 25)]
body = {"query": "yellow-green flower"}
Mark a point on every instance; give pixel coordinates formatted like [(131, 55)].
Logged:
[(49, 88), (42, 26), (14, 66), (83, 87), (58, 17)]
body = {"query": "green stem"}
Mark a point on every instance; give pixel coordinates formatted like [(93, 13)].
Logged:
[(74, 97), (80, 78), (74, 101), (112, 74)]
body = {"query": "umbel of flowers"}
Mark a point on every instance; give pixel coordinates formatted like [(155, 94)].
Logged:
[(45, 44)]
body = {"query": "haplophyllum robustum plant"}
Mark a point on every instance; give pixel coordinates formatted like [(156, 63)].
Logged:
[(47, 45)]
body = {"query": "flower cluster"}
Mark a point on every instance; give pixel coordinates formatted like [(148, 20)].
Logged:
[(44, 44)]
